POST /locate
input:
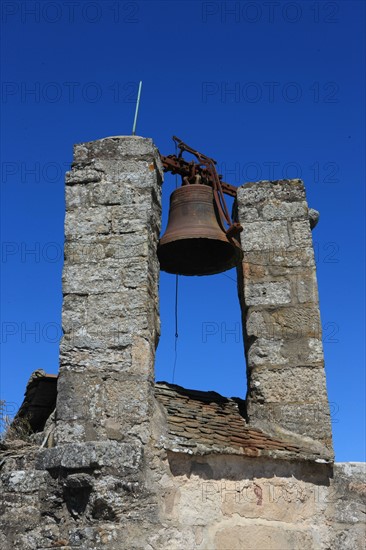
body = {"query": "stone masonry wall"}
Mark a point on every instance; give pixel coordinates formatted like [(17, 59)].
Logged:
[(91, 487), (228, 502), (280, 309), (102, 475), (110, 284)]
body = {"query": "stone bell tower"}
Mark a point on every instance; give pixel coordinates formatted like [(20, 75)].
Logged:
[(118, 461)]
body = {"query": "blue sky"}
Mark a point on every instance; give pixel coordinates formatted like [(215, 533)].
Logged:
[(269, 89)]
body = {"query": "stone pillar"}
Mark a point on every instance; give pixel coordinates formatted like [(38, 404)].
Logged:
[(280, 310), (110, 284)]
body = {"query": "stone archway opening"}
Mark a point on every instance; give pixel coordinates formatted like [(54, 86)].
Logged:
[(208, 353), (205, 312)]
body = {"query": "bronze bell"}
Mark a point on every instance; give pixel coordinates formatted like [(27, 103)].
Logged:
[(194, 243)]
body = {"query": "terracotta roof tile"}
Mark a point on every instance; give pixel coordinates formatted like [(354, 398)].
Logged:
[(203, 422), (197, 422)]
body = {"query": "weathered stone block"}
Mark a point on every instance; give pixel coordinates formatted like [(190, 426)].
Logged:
[(264, 235), (106, 316), (103, 220), (109, 276), (266, 352), (291, 257), (82, 176), (74, 312), (268, 293), (101, 394), (135, 360), (250, 194), (104, 307), (128, 219), (91, 250), (254, 272), (98, 339), (305, 287), (114, 147), (285, 352), (279, 210), (288, 190), (120, 191), (80, 279), (346, 537), (273, 499), (309, 419), (255, 193), (249, 214), (139, 173), (92, 221), (284, 323), (25, 481), (18, 521), (347, 496), (124, 458), (254, 536), (280, 385), (113, 359), (300, 233)]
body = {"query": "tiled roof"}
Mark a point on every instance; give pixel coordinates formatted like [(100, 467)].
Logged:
[(205, 422), (197, 422), (39, 400)]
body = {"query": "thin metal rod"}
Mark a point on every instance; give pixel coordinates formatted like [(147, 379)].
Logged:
[(137, 109)]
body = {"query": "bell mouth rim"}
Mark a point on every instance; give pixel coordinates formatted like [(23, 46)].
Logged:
[(194, 265)]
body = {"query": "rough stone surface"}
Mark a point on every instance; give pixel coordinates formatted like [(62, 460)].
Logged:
[(271, 293), (123, 463), (279, 299), (206, 423), (225, 502), (110, 284), (90, 488), (287, 322)]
